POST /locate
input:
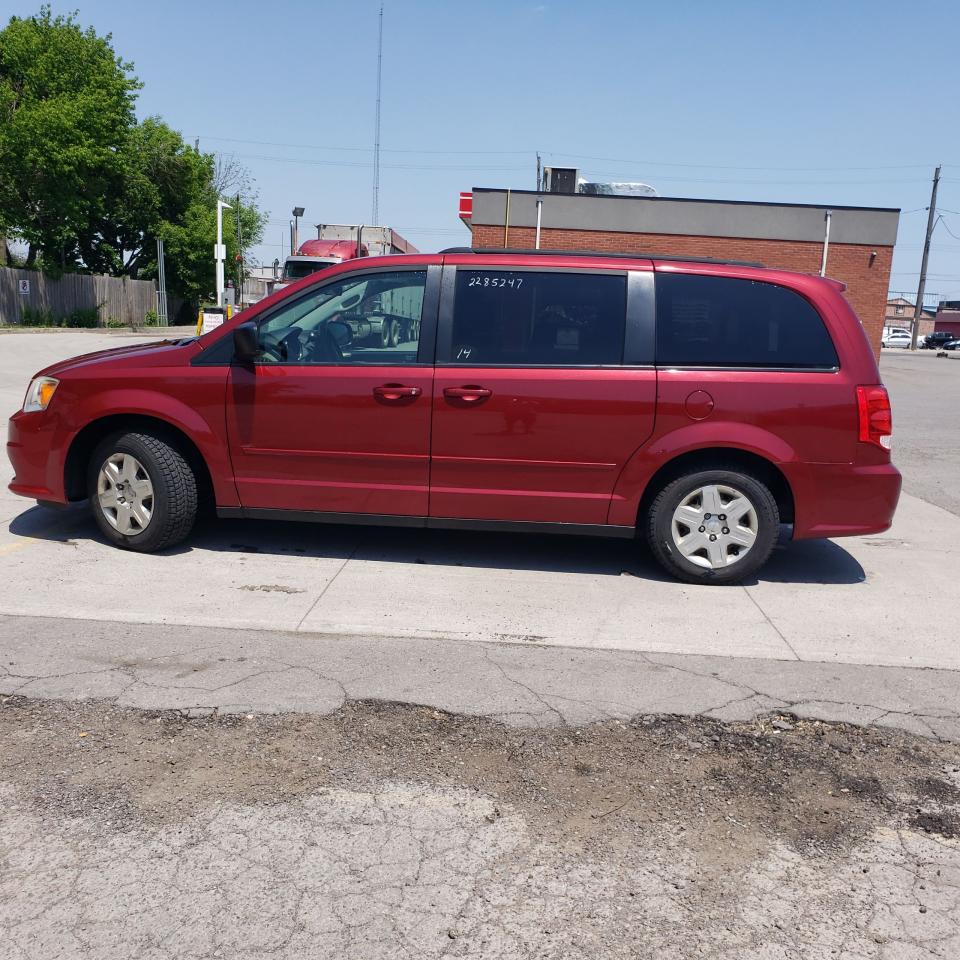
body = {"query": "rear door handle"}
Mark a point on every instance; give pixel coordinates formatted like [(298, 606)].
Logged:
[(396, 392), (468, 394)]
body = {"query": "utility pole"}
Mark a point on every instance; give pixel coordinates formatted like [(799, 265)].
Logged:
[(162, 318), (376, 136), (931, 222), (239, 256), (220, 251)]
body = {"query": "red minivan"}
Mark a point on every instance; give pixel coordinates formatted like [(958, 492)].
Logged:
[(700, 404)]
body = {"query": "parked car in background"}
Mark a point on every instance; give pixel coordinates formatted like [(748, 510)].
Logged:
[(897, 338), (950, 345), (937, 339), (699, 405)]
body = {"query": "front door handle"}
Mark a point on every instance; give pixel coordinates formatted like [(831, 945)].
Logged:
[(396, 392), (469, 394)]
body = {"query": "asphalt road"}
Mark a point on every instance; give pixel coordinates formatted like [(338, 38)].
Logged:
[(287, 740), (925, 391)]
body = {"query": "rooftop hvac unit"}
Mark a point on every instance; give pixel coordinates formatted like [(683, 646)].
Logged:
[(616, 189), (560, 179)]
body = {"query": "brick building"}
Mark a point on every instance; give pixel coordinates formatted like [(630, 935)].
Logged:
[(948, 317), (786, 235), (899, 316)]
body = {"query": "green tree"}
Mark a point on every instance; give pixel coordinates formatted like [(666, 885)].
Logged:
[(66, 109), (166, 189), (156, 180), (189, 245), (87, 186)]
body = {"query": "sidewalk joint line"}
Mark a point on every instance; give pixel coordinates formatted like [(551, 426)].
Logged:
[(777, 630), (340, 569)]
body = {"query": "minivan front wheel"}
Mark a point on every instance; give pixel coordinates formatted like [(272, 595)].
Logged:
[(713, 526), (142, 491)]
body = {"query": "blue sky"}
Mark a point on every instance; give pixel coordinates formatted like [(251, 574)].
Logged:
[(843, 102)]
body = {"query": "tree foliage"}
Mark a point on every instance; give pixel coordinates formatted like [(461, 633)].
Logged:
[(66, 105), (89, 188)]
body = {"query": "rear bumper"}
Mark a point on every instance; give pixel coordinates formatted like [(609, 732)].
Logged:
[(36, 458), (843, 500)]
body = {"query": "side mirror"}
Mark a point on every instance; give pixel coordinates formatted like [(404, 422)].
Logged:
[(341, 332), (246, 343)]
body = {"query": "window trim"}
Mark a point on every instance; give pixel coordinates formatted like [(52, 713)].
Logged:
[(428, 321), (740, 367), (444, 345)]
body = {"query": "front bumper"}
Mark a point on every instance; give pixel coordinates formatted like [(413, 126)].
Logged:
[(36, 457)]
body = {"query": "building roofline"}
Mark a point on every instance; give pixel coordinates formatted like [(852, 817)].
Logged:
[(742, 203)]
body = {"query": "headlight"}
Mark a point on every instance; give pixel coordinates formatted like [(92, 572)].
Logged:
[(39, 394)]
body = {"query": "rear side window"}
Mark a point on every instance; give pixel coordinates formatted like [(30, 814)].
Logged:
[(727, 322), (528, 319)]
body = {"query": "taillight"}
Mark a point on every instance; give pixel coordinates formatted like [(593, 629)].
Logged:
[(876, 417)]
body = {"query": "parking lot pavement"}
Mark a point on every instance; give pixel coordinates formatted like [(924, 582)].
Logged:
[(283, 740), (387, 831), (574, 592), (875, 602)]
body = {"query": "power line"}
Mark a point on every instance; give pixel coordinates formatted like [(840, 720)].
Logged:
[(317, 146), (474, 168), (579, 156), (940, 219), (719, 166), (851, 183), (366, 164)]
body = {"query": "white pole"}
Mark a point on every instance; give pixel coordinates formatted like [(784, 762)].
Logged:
[(220, 251), (536, 243), (826, 245)]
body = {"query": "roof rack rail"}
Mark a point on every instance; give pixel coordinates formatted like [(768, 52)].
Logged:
[(600, 253)]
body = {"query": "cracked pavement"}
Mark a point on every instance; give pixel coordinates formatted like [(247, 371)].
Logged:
[(199, 672), (350, 742), (388, 831)]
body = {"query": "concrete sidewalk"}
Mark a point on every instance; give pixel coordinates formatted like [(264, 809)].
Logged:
[(876, 600)]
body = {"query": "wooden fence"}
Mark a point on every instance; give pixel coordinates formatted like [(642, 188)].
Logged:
[(114, 298)]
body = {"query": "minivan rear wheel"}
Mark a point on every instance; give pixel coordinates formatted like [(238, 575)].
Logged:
[(713, 526), (142, 491)]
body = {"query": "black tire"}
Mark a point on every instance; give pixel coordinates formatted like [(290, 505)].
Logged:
[(659, 526), (394, 333), (384, 333), (174, 501)]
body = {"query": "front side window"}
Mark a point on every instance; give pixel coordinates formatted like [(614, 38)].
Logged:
[(528, 319), (371, 318), (727, 322)]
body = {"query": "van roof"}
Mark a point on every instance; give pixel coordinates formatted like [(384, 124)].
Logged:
[(523, 251)]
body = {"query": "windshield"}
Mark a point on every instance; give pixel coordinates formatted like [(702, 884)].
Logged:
[(296, 269)]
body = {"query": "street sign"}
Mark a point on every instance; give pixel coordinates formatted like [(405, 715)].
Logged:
[(23, 287), (466, 206), (210, 319)]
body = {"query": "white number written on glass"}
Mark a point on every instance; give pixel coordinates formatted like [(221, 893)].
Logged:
[(492, 280)]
